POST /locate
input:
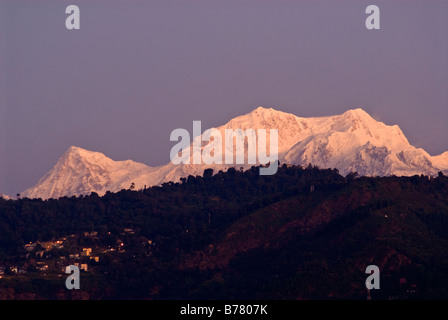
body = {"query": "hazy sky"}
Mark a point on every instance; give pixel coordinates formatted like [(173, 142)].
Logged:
[(136, 70)]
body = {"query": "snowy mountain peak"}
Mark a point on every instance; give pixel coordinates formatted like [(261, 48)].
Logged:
[(76, 157), (357, 112), (262, 111), (78, 152), (261, 115), (358, 116), (262, 118), (5, 197), (75, 149), (81, 171)]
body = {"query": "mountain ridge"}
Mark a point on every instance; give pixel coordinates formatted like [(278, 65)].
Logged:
[(351, 142), (4, 196)]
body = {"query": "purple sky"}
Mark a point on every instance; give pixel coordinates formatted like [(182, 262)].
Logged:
[(136, 70)]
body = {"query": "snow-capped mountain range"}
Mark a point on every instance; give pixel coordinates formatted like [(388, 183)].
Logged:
[(350, 142)]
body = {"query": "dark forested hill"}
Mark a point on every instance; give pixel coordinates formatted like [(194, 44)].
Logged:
[(302, 233)]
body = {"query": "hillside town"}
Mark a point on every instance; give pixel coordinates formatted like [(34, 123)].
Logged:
[(88, 251)]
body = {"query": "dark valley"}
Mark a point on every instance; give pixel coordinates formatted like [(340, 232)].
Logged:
[(303, 233)]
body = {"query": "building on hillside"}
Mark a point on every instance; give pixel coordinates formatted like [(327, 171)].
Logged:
[(86, 252)]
